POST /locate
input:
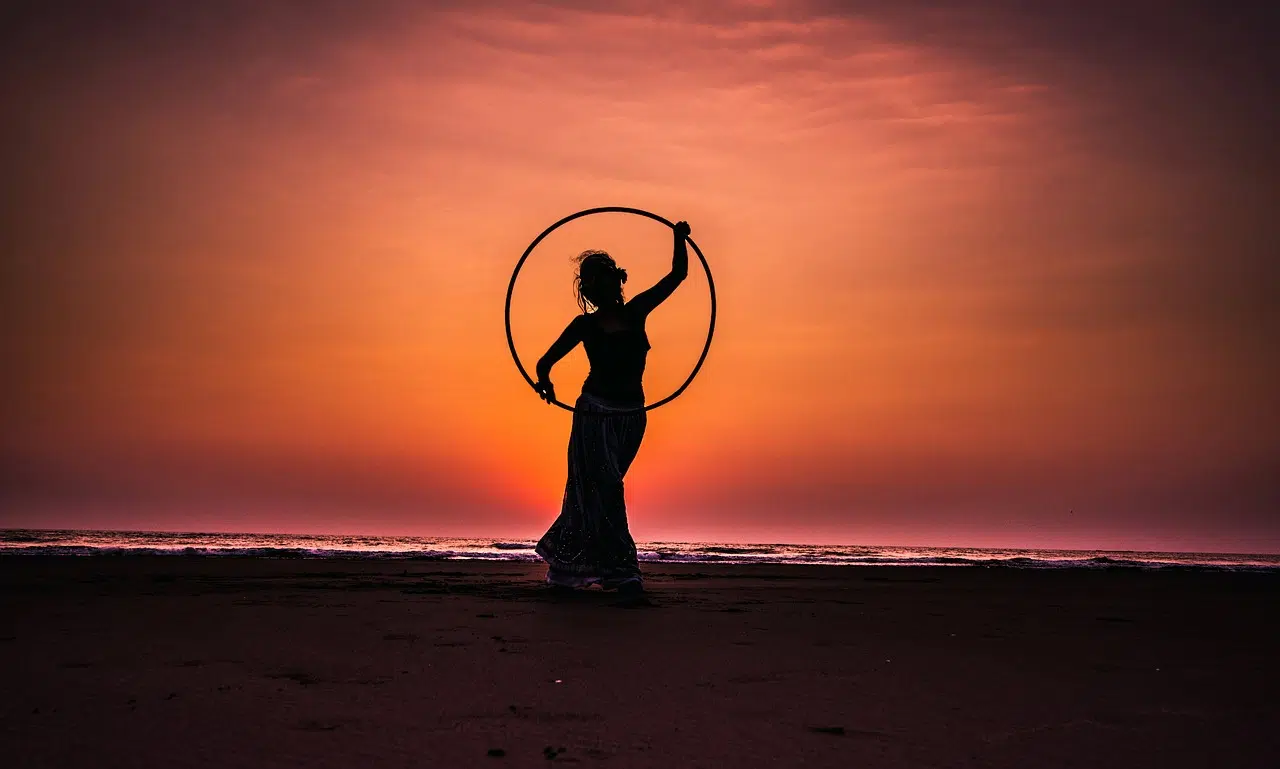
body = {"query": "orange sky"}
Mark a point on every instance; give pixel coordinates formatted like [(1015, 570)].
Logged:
[(987, 275)]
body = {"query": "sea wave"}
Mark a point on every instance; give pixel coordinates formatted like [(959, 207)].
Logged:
[(22, 536), (269, 552), (738, 550), (31, 542)]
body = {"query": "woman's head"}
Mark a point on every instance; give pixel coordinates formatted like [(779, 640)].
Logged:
[(598, 282)]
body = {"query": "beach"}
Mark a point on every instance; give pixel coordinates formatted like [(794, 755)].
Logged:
[(181, 661)]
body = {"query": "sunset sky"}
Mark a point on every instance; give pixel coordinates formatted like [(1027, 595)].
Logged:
[(990, 272)]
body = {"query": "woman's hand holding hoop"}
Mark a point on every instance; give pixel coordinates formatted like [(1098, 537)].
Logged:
[(545, 391)]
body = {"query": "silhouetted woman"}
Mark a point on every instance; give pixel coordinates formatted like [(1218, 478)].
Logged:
[(589, 543)]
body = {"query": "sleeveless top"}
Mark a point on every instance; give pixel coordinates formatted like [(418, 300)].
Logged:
[(617, 360)]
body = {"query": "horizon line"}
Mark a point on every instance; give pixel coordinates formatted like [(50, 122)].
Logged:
[(653, 541)]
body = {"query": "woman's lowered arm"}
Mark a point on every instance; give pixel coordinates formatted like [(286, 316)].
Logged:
[(568, 340)]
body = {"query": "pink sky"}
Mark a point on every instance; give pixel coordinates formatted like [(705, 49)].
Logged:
[(987, 275)]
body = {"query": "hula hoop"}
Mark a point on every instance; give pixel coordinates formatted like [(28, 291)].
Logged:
[(711, 327)]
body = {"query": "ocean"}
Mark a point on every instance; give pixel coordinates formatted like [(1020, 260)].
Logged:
[(17, 542)]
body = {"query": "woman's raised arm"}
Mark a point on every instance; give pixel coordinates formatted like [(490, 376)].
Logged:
[(647, 300)]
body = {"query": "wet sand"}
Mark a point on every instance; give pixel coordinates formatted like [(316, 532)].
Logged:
[(208, 662)]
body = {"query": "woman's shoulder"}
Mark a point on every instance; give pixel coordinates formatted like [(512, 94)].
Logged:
[(594, 323), (584, 324), (634, 314)]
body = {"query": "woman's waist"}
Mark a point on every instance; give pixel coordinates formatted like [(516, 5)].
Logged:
[(612, 395), (616, 377)]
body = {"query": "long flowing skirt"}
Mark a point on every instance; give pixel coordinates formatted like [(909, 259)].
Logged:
[(589, 542)]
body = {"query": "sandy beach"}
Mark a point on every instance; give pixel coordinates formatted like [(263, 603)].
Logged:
[(230, 662)]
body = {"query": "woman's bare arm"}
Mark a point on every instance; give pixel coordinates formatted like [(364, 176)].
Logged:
[(568, 340), (646, 301)]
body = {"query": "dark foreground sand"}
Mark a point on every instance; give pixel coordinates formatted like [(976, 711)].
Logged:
[(175, 661)]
